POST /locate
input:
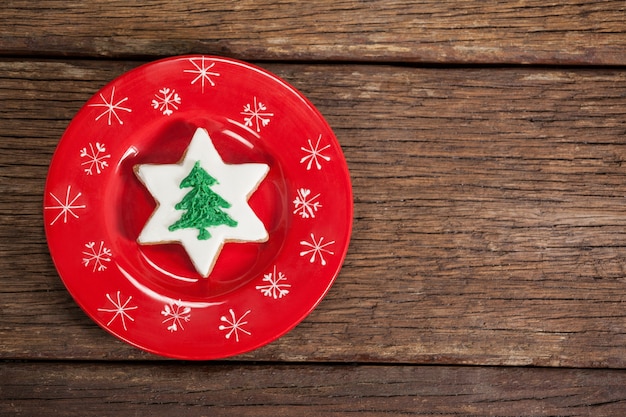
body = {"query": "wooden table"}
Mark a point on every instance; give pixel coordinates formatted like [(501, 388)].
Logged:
[(486, 142)]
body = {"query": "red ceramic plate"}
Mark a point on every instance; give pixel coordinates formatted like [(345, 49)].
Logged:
[(152, 295)]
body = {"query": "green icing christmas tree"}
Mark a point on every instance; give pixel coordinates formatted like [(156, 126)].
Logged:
[(203, 206)]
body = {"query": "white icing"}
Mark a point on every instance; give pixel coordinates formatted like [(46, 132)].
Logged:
[(235, 185)]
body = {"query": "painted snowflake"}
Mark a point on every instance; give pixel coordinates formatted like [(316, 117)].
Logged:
[(305, 204), (96, 256), (234, 325), (255, 115), (112, 107), (276, 287), (175, 314), (95, 158), (120, 309), (314, 154), (166, 101), (318, 248), (203, 71), (65, 207)]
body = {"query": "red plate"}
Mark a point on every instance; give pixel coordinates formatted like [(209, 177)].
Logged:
[(152, 296)]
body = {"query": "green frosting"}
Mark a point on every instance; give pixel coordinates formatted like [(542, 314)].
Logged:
[(203, 206)]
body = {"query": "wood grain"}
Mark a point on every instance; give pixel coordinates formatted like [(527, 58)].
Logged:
[(489, 229), (135, 389), (430, 31)]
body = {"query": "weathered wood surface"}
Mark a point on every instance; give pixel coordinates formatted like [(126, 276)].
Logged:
[(490, 216), (77, 389), (434, 31), (489, 208), (82, 390)]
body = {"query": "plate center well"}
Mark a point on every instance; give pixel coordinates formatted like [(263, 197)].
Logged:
[(167, 265)]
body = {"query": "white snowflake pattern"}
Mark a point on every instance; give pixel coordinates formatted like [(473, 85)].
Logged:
[(175, 314), (112, 107), (166, 101), (98, 256), (234, 325), (120, 310), (256, 115), (203, 72), (305, 205), (314, 153), (66, 207), (274, 288), (317, 249), (95, 158)]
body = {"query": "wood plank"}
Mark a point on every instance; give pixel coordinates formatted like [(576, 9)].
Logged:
[(434, 31), (489, 216), (165, 389)]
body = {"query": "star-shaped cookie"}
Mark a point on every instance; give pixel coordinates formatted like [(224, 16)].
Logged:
[(202, 202)]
